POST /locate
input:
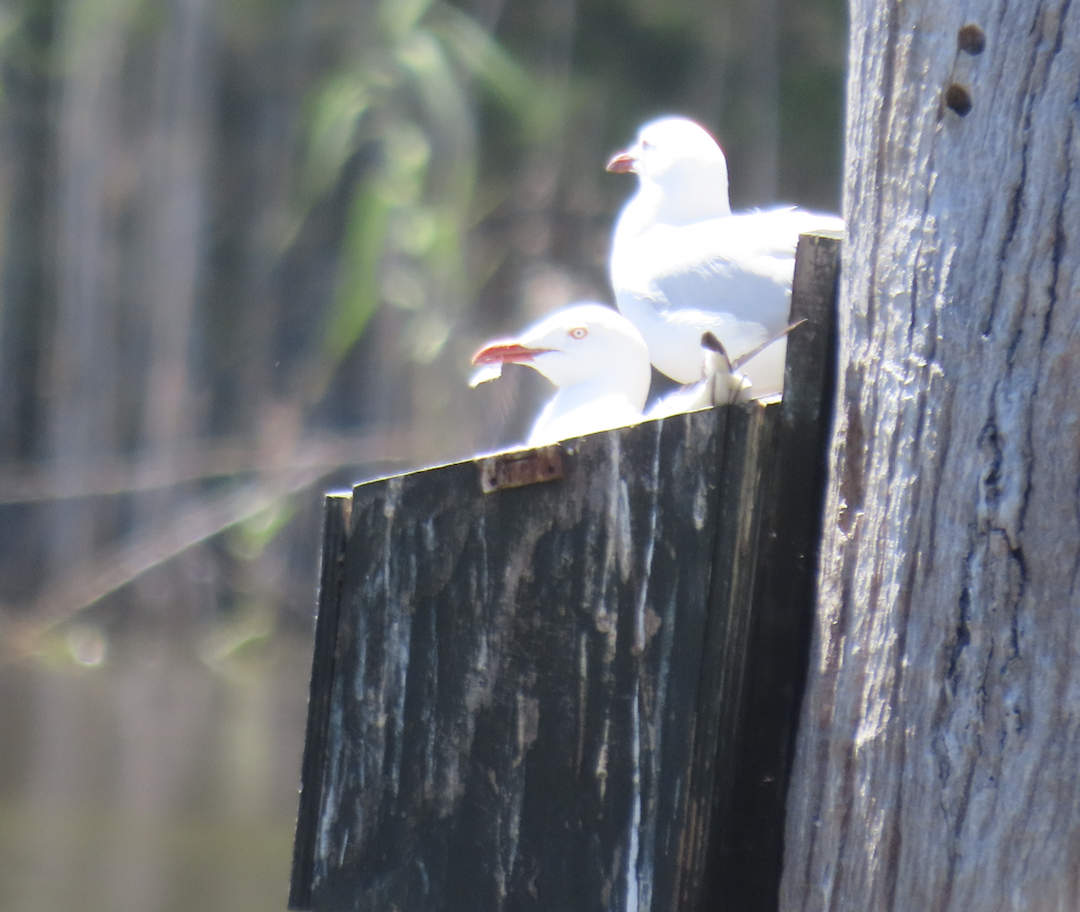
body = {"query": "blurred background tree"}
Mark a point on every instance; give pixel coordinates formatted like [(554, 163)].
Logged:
[(247, 249)]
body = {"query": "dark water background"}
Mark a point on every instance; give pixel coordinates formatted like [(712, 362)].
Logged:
[(151, 781)]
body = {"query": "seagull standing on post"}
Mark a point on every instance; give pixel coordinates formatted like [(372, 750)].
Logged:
[(682, 265), (595, 357)]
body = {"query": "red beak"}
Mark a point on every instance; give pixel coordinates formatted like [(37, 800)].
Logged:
[(506, 353), (621, 163)]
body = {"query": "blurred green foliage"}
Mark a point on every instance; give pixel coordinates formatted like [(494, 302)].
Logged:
[(409, 93), (332, 201)]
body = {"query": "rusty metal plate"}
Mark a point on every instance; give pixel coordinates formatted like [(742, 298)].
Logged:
[(520, 467)]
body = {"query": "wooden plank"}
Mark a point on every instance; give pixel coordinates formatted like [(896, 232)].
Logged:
[(513, 719), (747, 850), (719, 708), (335, 536)]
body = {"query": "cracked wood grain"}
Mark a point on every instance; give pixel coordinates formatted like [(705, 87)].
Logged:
[(940, 739)]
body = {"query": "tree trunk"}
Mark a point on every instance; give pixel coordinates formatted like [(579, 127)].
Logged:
[(938, 758)]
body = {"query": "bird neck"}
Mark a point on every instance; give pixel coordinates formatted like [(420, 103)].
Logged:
[(692, 195), (621, 385)]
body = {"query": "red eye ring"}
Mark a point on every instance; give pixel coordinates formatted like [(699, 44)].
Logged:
[(578, 332)]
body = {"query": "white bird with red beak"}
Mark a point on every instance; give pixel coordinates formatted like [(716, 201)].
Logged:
[(596, 359), (683, 265)]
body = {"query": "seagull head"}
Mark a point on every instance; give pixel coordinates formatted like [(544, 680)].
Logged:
[(584, 345), (681, 170)]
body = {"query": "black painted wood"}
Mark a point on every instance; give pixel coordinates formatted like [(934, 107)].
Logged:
[(549, 696), (744, 480), (747, 846), (335, 535)]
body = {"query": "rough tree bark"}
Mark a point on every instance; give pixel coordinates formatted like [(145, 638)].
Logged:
[(938, 761)]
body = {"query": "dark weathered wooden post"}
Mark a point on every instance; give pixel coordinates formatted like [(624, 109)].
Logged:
[(748, 840), (538, 677)]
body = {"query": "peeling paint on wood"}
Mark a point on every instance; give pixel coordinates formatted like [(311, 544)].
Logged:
[(512, 678)]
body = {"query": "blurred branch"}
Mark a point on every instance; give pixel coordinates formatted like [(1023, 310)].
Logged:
[(112, 476), (149, 546), (146, 548)]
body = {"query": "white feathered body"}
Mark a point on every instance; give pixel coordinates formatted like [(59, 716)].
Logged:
[(683, 264), (583, 410)]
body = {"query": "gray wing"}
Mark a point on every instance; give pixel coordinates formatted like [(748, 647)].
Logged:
[(740, 265)]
